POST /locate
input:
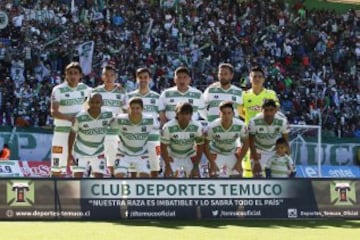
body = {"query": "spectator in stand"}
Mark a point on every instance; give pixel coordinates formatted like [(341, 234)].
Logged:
[(287, 41)]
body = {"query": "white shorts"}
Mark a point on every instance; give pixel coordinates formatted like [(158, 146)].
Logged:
[(154, 155), (59, 151), (264, 157), (97, 163), (182, 166), (111, 144), (225, 164), (125, 164)]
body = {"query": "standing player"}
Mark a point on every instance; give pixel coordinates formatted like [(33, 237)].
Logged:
[(151, 107), (135, 131), (88, 133), (221, 142), (67, 100), (264, 129), (221, 91), (252, 101), (114, 99), (182, 92), (182, 143)]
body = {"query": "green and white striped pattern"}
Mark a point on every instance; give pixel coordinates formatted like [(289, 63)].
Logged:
[(265, 134), (224, 141), (181, 142), (91, 133), (279, 165), (215, 94), (114, 100), (70, 100), (150, 101), (134, 137), (171, 97)]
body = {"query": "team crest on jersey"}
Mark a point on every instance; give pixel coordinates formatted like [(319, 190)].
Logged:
[(118, 96), (192, 135), (191, 101), (216, 96), (67, 95), (249, 101), (152, 101), (233, 98), (82, 93), (261, 129), (104, 123), (143, 129), (277, 129), (171, 100), (124, 129), (85, 125), (175, 136), (236, 136), (217, 136)]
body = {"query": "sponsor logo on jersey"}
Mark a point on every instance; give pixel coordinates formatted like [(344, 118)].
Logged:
[(57, 149)]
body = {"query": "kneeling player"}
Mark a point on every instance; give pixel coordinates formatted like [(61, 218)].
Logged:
[(86, 139), (182, 144), (222, 142), (135, 131)]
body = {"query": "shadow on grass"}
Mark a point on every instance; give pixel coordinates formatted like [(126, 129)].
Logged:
[(221, 223)]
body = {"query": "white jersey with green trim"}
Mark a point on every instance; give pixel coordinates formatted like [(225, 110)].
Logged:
[(279, 165), (150, 102), (91, 132), (115, 100), (224, 141), (134, 137), (181, 142), (70, 100), (170, 97), (267, 134), (215, 94)]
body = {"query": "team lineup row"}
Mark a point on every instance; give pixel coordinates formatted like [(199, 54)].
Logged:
[(105, 127)]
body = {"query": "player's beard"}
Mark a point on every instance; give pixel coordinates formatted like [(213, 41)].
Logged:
[(225, 82)]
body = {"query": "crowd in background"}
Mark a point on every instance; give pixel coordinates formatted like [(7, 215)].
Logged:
[(311, 57)]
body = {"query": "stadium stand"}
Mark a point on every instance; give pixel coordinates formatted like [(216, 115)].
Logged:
[(311, 57)]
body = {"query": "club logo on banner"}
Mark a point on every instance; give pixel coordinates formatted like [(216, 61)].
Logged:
[(20, 193), (343, 193)]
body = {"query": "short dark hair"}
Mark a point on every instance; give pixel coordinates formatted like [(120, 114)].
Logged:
[(109, 67), (226, 104), (6, 145), (269, 103), (228, 66), (257, 69), (281, 141), (75, 65), (182, 69), (142, 70), (136, 100), (184, 107)]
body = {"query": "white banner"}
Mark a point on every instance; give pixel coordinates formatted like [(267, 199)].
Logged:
[(86, 51), (10, 168)]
